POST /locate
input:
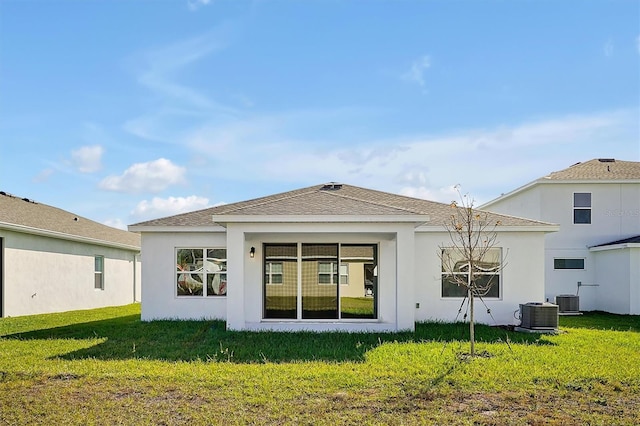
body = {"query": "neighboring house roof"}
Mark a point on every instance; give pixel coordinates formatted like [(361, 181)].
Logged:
[(327, 200), (598, 170), (24, 215), (631, 240)]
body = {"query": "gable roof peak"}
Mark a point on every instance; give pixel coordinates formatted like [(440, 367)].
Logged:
[(325, 200)]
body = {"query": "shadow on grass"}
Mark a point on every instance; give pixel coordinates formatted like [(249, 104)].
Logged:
[(598, 320), (127, 337)]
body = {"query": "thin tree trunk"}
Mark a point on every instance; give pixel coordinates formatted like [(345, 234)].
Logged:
[(472, 337)]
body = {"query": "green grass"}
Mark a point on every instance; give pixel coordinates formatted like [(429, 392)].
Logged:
[(104, 366)]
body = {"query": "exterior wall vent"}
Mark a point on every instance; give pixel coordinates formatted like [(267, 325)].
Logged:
[(539, 316), (568, 303), (331, 186)]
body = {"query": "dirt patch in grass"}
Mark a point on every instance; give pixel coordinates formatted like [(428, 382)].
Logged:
[(131, 402)]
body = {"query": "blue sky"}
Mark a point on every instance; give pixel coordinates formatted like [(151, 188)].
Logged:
[(123, 111)]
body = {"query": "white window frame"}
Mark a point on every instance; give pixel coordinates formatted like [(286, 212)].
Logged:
[(98, 273), (345, 274), (589, 208), (584, 264), (443, 274), (334, 272), (299, 265), (200, 271), (270, 274)]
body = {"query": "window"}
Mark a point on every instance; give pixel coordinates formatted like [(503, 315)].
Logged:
[(568, 263), (344, 273), (201, 272), (308, 276), (98, 272), (328, 273), (455, 268), (273, 273), (582, 207)]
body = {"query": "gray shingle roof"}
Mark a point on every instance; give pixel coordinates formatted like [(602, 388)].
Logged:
[(316, 200), (599, 169), (631, 240), (21, 212)]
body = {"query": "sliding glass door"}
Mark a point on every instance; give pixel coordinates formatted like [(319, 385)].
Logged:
[(320, 281), (358, 281), (281, 281)]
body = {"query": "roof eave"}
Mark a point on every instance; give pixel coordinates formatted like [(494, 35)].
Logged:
[(614, 247), (548, 180), (546, 228), (590, 181), (509, 194), (176, 228), (65, 236)]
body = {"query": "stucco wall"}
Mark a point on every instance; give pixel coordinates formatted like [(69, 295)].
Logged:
[(613, 277), (408, 273), (159, 291), (245, 311), (243, 305), (43, 274), (522, 279), (615, 214), (523, 204)]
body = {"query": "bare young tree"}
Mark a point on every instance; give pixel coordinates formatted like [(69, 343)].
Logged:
[(473, 260)]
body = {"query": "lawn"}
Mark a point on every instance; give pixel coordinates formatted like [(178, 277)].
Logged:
[(104, 366)]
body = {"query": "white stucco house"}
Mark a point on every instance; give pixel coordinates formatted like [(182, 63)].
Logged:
[(326, 257), (52, 260), (596, 253)]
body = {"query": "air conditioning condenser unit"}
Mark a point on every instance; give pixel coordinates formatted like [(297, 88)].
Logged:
[(539, 316), (568, 303)]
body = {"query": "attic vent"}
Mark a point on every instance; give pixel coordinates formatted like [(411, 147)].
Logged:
[(332, 186), (607, 160)]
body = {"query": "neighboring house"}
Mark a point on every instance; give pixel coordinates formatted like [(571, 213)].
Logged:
[(596, 253), (327, 257), (52, 260)]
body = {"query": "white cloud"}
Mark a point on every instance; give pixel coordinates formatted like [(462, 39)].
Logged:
[(159, 68), (116, 223), (608, 48), (87, 159), (178, 105), (194, 5), (443, 195), (43, 176), (159, 207), (154, 176), (493, 160), (416, 72)]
